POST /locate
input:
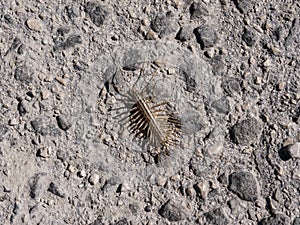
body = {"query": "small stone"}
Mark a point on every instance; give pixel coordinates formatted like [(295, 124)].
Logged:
[(258, 80), (44, 152), (71, 168), (202, 188), (210, 53), (63, 123), (267, 63), (23, 74), (45, 94), (222, 105), (185, 33), (277, 219), (294, 150), (61, 81), (163, 24), (37, 185), (246, 132), (174, 210), (151, 35), (281, 86), (245, 185), (198, 9), (22, 108), (160, 181), (125, 186), (94, 179), (54, 189), (249, 37), (190, 191), (82, 173), (244, 6), (216, 217), (206, 36), (98, 13), (13, 122), (34, 24)]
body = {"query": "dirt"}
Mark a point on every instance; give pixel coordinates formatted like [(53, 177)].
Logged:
[(229, 71)]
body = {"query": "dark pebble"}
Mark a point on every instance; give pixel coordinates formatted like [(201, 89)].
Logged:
[(223, 179), (249, 37), (44, 126), (222, 105), (216, 217), (8, 18), (96, 12), (54, 189), (277, 219), (163, 24), (244, 6), (22, 74), (217, 64), (198, 9), (246, 132), (110, 182), (245, 185), (134, 208), (63, 31), (16, 43), (21, 108), (63, 123), (185, 33), (122, 222), (206, 36), (37, 186), (71, 42), (231, 86), (21, 49), (173, 211)]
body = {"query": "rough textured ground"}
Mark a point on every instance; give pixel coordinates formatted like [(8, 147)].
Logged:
[(230, 68)]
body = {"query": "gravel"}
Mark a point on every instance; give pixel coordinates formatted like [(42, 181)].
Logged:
[(228, 69)]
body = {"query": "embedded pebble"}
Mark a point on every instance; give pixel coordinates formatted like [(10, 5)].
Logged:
[(294, 150), (163, 24), (34, 24), (185, 33), (63, 123), (206, 36), (198, 9), (97, 13), (82, 173), (216, 217), (202, 188), (249, 37), (247, 131), (94, 179), (245, 185), (44, 152), (281, 86), (55, 189), (173, 210), (222, 105), (71, 168)]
